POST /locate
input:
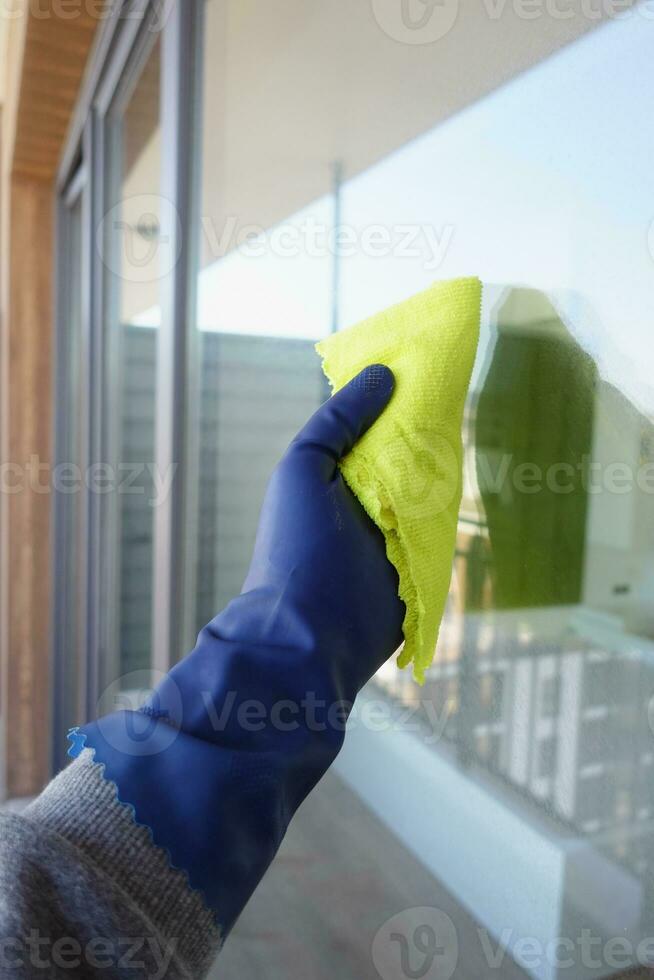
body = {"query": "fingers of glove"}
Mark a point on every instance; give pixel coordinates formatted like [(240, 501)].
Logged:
[(338, 424)]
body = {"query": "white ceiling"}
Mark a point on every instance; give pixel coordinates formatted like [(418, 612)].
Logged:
[(292, 86)]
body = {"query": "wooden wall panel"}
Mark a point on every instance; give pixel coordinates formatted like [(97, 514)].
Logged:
[(27, 512), (55, 55), (44, 81)]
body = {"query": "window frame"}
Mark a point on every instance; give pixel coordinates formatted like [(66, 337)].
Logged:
[(122, 44), (76, 192)]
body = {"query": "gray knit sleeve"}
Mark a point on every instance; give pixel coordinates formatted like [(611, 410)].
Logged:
[(85, 892)]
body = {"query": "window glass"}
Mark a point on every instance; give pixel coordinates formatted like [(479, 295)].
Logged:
[(131, 229), (346, 166)]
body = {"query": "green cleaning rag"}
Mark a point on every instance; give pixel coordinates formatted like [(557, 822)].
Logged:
[(407, 469)]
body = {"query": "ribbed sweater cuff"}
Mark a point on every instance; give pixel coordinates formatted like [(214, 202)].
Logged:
[(82, 806)]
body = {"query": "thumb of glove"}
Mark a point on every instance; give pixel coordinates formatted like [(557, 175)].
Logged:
[(341, 421)]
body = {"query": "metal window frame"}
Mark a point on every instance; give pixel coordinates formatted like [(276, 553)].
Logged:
[(124, 40), (75, 192), (112, 100), (182, 71)]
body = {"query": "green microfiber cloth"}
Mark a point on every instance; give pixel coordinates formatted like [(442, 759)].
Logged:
[(407, 469)]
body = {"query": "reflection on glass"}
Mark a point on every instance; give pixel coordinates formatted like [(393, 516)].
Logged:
[(542, 684), (263, 299), (133, 315), (533, 431), (256, 392)]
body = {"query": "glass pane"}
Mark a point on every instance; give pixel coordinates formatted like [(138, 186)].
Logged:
[(346, 165), (131, 243), (260, 310)]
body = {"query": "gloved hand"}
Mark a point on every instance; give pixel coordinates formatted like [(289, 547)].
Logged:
[(239, 731), (317, 552)]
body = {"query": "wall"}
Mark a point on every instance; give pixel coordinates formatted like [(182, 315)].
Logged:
[(47, 55)]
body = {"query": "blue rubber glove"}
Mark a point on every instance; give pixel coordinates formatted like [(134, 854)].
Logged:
[(236, 735)]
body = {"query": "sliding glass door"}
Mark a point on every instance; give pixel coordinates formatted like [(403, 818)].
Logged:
[(128, 238), (260, 175), (110, 262), (343, 169)]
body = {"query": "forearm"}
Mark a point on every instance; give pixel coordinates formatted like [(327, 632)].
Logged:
[(207, 769), (243, 729), (214, 766), (82, 883), (229, 745)]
